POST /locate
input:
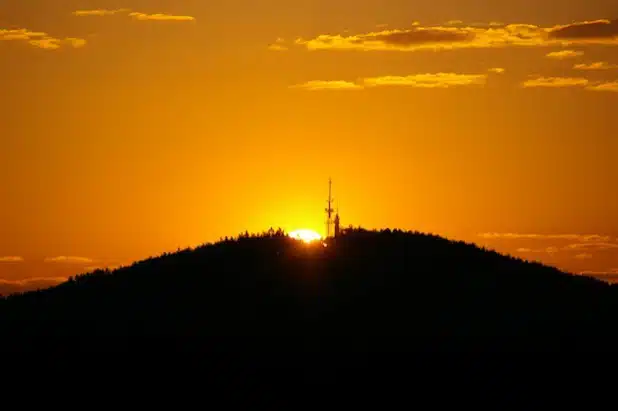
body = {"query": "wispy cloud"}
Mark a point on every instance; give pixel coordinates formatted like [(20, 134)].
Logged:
[(611, 271), (555, 82), (426, 80), (417, 38), (610, 275), (456, 36), (526, 236), (160, 17), (40, 39), (547, 250), (599, 65), (31, 280), (69, 259), (564, 54), (278, 45), (136, 15), (76, 42), (583, 256), (611, 86), (46, 43), (102, 267), (497, 70), (11, 259), (592, 246), (447, 80), (99, 12), (316, 85), (597, 31), (8, 287), (437, 80), (21, 34)]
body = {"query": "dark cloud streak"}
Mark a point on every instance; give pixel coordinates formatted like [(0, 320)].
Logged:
[(598, 29)]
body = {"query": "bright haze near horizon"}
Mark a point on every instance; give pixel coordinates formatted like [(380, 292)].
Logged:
[(133, 127)]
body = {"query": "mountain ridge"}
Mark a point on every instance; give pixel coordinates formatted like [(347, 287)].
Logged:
[(366, 290)]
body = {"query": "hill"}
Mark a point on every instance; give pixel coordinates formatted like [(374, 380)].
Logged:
[(364, 291)]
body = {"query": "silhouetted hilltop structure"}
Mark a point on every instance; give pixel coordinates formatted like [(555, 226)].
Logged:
[(365, 290)]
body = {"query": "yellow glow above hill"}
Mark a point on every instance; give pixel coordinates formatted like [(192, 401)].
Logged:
[(308, 236)]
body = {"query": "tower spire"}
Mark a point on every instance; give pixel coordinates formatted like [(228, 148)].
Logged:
[(329, 210)]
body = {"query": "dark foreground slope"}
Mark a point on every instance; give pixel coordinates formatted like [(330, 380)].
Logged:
[(378, 291)]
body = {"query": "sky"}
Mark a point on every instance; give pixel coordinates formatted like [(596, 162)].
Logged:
[(129, 128)]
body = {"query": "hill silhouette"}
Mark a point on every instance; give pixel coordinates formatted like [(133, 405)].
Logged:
[(364, 291)]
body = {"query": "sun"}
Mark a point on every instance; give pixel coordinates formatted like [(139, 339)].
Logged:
[(305, 235)]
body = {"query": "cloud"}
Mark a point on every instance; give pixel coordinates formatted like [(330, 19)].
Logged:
[(29, 284), (611, 271), (99, 12), (21, 34), (586, 31), (437, 80), (555, 82), (610, 275), (76, 42), (583, 256), (160, 17), (278, 45), (423, 36), (427, 80), (449, 37), (585, 244), (315, 85), (134, 14), (564, 54), (599, 65), (611, 86), (40, 39), (520, 236), (47, 43), (91, 268), (582, 250), (31, 280), (593, 245), (548, 250), (497, 70), (68, 259), (11, 259), (402, 40)]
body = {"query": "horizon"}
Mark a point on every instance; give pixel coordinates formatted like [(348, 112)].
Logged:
[(308, 237), (132, 128)]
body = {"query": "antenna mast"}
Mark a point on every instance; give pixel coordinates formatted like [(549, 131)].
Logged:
[(329, 210)]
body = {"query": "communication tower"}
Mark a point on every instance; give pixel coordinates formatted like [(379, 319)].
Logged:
[(330, 222), (329, 210)]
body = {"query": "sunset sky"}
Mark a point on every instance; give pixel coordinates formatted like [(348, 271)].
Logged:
[(133, 127)]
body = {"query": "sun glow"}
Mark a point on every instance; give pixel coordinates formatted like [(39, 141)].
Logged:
[(307, 236)]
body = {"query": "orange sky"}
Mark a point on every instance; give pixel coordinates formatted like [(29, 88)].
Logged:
[(129, 128)]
